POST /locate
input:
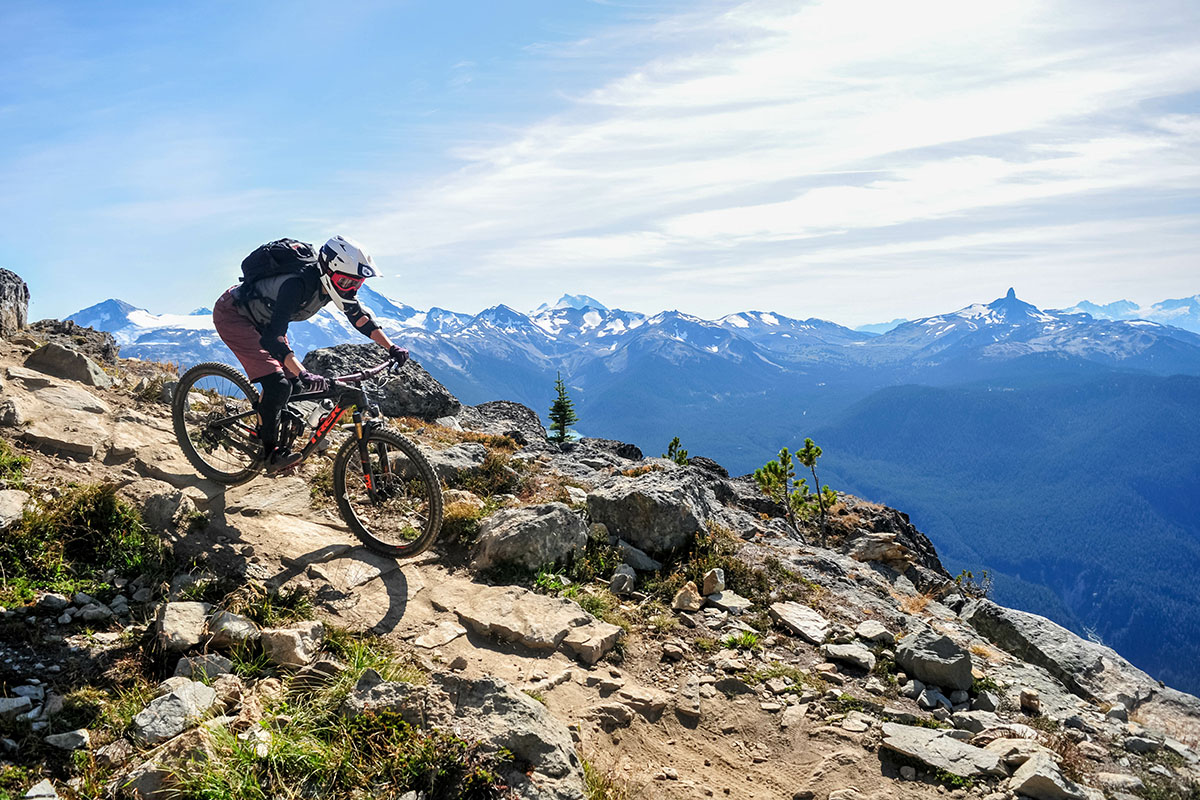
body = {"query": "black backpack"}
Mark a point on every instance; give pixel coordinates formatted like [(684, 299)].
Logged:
[(280, 257)]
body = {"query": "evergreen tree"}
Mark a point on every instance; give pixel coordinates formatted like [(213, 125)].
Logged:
[(825, 497), (562, 412)]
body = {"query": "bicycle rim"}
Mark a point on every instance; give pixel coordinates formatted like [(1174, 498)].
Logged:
[(221, 449), (395, 506)]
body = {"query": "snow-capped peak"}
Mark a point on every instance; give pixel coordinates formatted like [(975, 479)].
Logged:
[(579, 301)]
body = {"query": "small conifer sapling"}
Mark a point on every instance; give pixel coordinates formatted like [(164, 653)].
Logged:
[(562, 413)]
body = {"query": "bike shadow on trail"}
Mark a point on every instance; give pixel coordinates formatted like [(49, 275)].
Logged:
[(368, 590)]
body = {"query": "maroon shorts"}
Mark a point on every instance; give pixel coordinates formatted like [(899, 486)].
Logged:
[(239, 333)]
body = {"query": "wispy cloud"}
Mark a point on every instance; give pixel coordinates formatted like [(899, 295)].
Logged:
[(781, 143)]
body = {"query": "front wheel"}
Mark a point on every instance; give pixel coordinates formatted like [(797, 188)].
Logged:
[(393, 501), (214, 412)]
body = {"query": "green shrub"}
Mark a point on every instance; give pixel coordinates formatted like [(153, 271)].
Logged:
[(971, 586), (12, 466), (68, 544), (742, 640), (676, 453)]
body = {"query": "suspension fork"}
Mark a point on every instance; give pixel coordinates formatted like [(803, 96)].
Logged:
[(364, 455)]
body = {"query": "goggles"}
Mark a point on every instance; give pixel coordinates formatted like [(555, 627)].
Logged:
[(346, 283)]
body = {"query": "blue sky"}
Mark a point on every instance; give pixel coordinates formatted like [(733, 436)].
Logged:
[(856, 160)]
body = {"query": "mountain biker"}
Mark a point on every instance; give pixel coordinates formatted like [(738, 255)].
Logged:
[(252, 319)]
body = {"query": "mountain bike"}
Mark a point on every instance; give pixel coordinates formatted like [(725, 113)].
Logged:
[(385, 488)]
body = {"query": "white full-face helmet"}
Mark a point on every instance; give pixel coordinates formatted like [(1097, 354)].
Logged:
[(344, 266)]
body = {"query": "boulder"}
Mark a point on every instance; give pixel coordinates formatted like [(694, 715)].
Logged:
[(623, 580), (100, 346), (1040, 778), (180, 625), (708, 465), (14, 303), (506, 418), (530, 537), (935, 659), (227, 629), (630, 452), (730, 602), (491, 711), (874, 632), (63, 362), (294, 645), (801, 620), (459, 459), (171, 714), (657, 512), (854, 654), (941, 752), (412, 392), (882, 547)]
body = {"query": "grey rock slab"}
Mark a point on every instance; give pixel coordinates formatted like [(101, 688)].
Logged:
[(940, 752), (12, 506), (974, 721), (1120, 781), (43, 790), (874, 631), (936, 659), (531, 536), (76, 434), (1040, 778), (854, 654), (1090, 670), (290, 495), (730, 602), (63, 362), (180, 625), (636, 558), (171, 714), (11, 707), (511, 613), (445, 632), (1015, 752), (801, 620), (71, 740)]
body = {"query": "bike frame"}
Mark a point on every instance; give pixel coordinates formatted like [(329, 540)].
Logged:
[(348, 392)]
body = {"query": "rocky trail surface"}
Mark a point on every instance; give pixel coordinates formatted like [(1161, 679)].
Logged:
[(702, 648)]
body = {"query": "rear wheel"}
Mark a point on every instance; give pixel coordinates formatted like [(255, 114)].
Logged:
[(214, 415), (394, 504)]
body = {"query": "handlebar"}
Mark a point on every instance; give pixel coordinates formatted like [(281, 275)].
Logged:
[(356, 378)]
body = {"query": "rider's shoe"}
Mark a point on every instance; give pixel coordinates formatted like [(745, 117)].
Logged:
[(282, 460)]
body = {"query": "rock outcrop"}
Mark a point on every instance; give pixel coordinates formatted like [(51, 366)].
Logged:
[(413, 392), (14, 303)]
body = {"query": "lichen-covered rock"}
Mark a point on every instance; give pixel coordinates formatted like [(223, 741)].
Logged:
[(14, 303), (506, 418), (531, 536), (293, 646), (180, 625), (174, 712), (412, 393)]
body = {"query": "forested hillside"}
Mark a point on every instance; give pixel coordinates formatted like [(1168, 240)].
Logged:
[(1085, 487)]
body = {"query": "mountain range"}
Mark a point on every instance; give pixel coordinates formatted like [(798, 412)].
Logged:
[(1058, 449)]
